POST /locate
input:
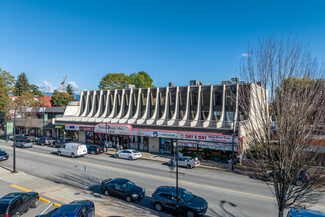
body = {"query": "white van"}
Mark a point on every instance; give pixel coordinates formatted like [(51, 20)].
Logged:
[(73, 150)]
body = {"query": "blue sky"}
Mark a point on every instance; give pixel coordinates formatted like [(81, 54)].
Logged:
[(173, 41)]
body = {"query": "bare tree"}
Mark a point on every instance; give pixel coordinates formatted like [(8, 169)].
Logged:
[(286, 107)]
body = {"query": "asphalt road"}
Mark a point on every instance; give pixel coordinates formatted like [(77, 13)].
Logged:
[(228, 194)]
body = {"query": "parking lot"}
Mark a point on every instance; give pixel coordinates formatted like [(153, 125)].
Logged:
[(44, 209)]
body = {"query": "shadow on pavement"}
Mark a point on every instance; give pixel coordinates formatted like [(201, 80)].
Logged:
[(92, 185)]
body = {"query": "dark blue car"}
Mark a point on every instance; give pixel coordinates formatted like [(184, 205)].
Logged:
[(80, 208)]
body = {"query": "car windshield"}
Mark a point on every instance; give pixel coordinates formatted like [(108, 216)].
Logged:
[(186, 196), (128, 185), (3, 208)]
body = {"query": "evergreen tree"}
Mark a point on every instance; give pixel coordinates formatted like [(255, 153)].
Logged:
[(22, 84), (69, 89), (35, 91)]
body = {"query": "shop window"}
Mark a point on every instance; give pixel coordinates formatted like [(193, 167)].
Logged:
[(98, 138), (166, 146), (89, 137), (133, 141)]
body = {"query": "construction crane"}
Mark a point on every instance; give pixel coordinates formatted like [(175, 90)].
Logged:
[(63, 82)]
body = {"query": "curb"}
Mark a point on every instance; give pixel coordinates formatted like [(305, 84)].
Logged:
[(48, 201)]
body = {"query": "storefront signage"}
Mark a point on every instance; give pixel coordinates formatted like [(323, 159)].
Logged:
[(115, 129), (217, 146), (185, 136), (87, 128), (72, 127), (184, 143)]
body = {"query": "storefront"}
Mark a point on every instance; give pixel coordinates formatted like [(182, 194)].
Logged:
[(116, 134), (203, 145)]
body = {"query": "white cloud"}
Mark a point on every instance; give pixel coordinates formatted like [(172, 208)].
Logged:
[(47, 87), (245, 55), (74, 86)]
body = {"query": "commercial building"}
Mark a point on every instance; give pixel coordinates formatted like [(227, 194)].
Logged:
[(199, 118), (37, 121)]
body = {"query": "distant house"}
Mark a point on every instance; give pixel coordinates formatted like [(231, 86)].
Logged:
[(45, 100)]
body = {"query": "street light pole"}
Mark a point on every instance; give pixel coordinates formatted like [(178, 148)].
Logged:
[(14, 158), (177, 200), (233, 141)]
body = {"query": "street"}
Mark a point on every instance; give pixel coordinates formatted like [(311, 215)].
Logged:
[(228, 194)]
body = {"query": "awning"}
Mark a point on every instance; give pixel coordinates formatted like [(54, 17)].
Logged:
[(49, 126), (218, 146), (185, 143)]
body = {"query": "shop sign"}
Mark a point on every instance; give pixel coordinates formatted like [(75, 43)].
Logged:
[(185, 136), (217, 146), (71, 127), (87, 128), (187, 143), (114, 129)]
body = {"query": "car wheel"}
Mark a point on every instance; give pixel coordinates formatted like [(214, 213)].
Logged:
[(128, 199), (117, 156), (189, 166), (59, 153), (92, 152), (190, 213), (106, 193), (35, 204), (17, 214), (299, 182), (130, 158), (72, 155), (158, 207)]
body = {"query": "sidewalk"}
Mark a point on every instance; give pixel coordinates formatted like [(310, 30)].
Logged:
[(105, 206), (207, 164)]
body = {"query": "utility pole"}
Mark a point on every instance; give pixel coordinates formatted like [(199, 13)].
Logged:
[(14, 146)]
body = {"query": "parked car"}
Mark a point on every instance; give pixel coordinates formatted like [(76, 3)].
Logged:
[(95, 149), (11, 137), (25, 137), (303, 177), (43, 141), (16, 204), (24, 144), (189, 204), (128, 154), (187, 162), (122, 188), (5, 136), (58, 143), (3, 155), (73, 150), (80, 208), (299, 212)]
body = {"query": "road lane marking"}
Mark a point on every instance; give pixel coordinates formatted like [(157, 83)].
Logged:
[(158, 177), (20, 188), (45, 209), (5, 187)]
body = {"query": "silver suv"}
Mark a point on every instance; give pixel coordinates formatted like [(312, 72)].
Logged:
[(187, 162)]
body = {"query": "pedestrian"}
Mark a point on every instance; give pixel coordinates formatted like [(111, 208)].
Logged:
[(106, 145), (117, 146), (110, 144)]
